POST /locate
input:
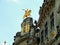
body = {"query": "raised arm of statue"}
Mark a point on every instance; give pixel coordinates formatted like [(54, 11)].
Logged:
[(27, 13)]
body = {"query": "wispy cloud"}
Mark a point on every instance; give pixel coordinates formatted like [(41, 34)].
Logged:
[(15, 1)]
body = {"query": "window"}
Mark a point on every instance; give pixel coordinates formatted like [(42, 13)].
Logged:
[(42, 37), (52, 20), (52, 23), (46, 30), (58, 29), (46, 24), (52, 15)]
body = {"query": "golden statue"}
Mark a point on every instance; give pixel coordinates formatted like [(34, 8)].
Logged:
[(27, 13)]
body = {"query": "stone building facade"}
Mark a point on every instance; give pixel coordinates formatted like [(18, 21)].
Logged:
[(49, 22)]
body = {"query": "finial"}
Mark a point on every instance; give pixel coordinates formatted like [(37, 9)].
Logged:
[(4, 42)]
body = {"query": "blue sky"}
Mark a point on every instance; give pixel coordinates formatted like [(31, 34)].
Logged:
[(11, 16)]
